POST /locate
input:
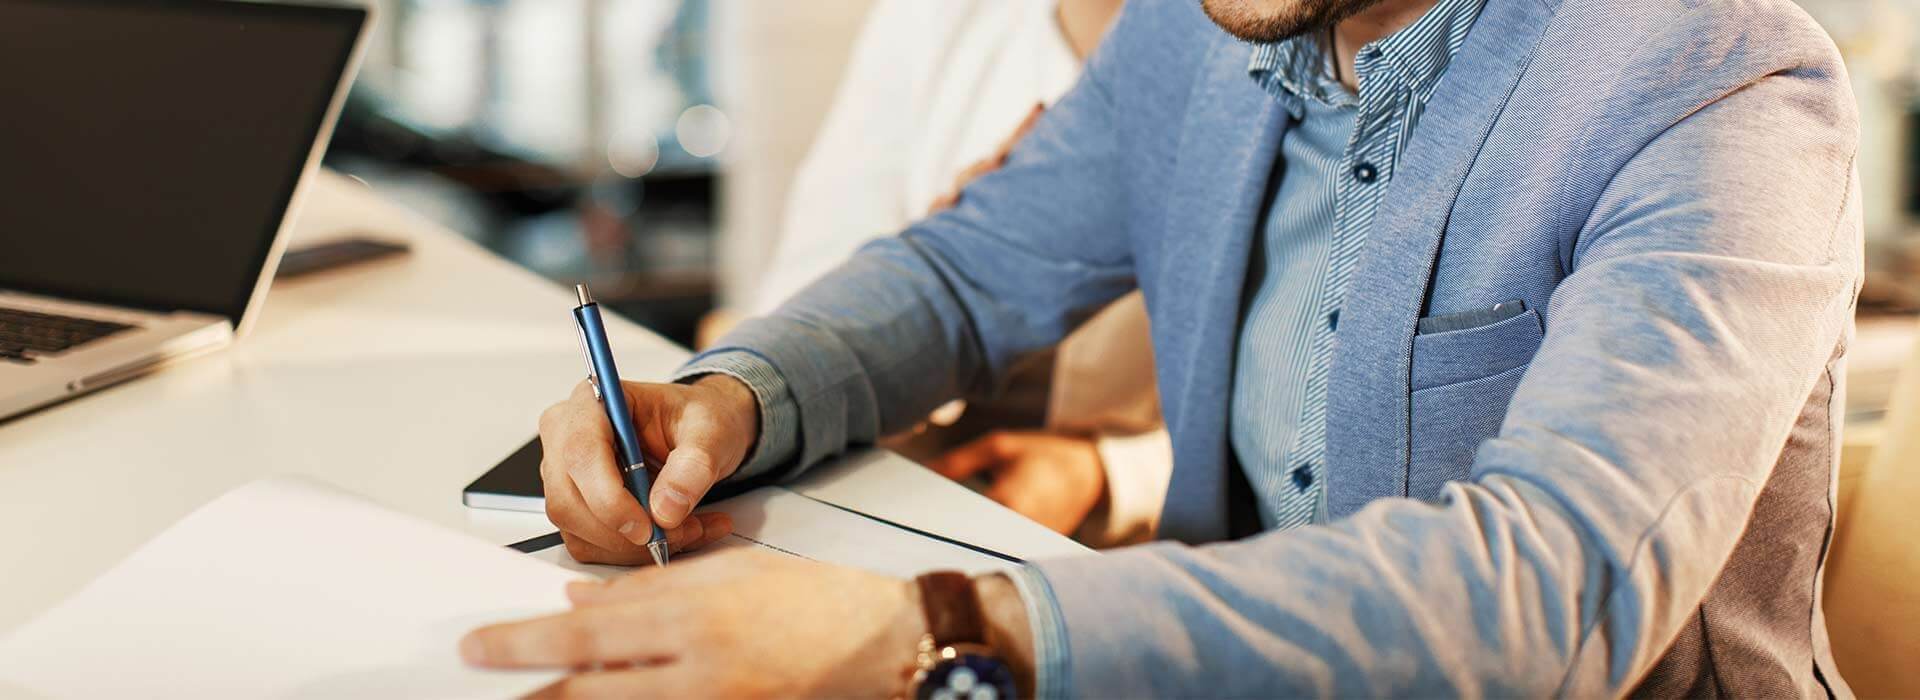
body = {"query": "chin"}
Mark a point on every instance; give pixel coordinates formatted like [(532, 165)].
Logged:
[(1267, 21)]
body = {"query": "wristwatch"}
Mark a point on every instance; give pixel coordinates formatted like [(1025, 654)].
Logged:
[(954, 661)]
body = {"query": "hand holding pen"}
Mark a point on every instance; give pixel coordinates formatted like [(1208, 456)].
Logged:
[(603, 376), (608, 514)]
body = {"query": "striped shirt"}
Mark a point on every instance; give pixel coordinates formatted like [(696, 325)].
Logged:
[(1337, 160)]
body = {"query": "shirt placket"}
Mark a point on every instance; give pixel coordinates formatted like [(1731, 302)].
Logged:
[(1365, 169)]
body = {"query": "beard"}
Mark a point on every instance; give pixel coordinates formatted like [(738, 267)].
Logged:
[(1268, 21)]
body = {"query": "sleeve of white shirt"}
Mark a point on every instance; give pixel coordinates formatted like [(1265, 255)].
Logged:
[(1138, 468), (850, 188)]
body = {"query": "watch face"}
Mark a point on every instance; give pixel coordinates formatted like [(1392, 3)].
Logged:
[(968, 677)]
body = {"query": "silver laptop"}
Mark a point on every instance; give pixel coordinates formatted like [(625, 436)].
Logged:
[(152, 154)]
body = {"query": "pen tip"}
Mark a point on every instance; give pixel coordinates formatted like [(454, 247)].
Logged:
[(659, 552), (586, 296)]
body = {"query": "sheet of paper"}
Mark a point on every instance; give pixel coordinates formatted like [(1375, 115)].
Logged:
[(286, 588), (780, 520), (870, 481)]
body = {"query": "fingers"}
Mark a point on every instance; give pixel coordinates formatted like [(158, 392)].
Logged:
[(699, 531), (1054, 480), (973, 172), (569, 512), (586, 488), (589, 553), (577, 445), (714, 527), (634, 682), (577, 453), (605, 493), (625, 683), (702, 530), (944, 202), (987, 452), (1035, 493), (568, 640)]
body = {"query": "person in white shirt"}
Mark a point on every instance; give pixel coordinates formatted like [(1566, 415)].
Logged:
[(934, 95)]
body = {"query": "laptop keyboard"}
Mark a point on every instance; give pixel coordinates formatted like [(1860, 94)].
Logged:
[(26, 334)]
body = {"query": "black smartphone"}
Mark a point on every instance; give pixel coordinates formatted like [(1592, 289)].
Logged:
[(329, 255), (513, 484)]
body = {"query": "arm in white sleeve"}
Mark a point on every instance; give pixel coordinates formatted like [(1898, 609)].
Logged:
[(850, 188)]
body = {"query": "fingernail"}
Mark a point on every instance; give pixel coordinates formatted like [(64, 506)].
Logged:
[(672, 502), (627, 529), (471, 650)]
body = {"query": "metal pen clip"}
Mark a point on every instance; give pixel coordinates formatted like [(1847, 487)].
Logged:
[(580, 328)]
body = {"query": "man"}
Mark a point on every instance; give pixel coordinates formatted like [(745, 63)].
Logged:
[(1516, 326)]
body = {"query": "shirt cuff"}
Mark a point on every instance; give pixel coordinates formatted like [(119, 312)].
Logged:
[(779, 414), (1138, 468), (1049, 628)]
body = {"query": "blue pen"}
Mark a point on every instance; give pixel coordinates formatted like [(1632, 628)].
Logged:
[(605, 379)]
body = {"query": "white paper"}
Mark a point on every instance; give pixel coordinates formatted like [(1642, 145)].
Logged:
[(870, 481), (780, 520), (287, 588)]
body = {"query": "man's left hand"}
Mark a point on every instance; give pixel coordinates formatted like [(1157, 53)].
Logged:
[(730, 624)]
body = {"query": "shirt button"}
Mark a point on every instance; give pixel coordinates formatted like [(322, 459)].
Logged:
[(1303, 477), (1366, 173), (1333, 320)]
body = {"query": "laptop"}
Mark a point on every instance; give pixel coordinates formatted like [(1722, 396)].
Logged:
[(152, 155)]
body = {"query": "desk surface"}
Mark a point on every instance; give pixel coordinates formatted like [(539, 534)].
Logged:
[(400, 381)]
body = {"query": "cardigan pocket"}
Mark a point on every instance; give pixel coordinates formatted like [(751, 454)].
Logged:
[(1462, 382), (1467, 354)]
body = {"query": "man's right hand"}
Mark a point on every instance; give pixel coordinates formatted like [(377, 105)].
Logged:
[(704, 429)]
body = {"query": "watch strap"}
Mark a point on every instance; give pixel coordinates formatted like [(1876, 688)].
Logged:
[(952, 608)]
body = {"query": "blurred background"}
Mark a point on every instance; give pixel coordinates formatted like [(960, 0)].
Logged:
[(635, 144), (646, 146)]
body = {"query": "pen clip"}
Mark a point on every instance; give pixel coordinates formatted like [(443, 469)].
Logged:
[(593, 378)]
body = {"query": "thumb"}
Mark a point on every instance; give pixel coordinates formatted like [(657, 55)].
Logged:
[(690, 470)]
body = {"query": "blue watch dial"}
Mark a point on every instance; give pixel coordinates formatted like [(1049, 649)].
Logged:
[(968, 677)]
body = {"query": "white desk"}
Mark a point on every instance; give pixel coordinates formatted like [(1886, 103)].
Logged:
[(400, 381)]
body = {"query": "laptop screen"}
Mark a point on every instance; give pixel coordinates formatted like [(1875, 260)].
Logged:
[(150, 148)]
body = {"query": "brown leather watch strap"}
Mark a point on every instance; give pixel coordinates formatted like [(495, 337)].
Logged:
[(952, 608)]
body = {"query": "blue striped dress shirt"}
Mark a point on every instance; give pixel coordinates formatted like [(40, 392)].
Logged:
[(1337, 160)]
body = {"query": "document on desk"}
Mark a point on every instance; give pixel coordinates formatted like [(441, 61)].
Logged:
[(780, 520), (290, 588), (286, 588)]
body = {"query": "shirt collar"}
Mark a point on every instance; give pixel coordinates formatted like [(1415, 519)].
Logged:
[(1301, 70), (1412, 58)]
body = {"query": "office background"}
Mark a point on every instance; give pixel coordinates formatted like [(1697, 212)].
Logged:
[(642, 145), (646, 145)]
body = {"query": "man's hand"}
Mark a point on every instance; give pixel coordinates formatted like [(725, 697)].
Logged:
[(732, 624), (703, 429), (1054, 479)]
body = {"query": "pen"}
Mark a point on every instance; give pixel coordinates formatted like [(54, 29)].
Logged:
[(605, 379)]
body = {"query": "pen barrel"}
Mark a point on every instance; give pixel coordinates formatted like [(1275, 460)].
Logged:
[(613, 396), (639, 485)]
